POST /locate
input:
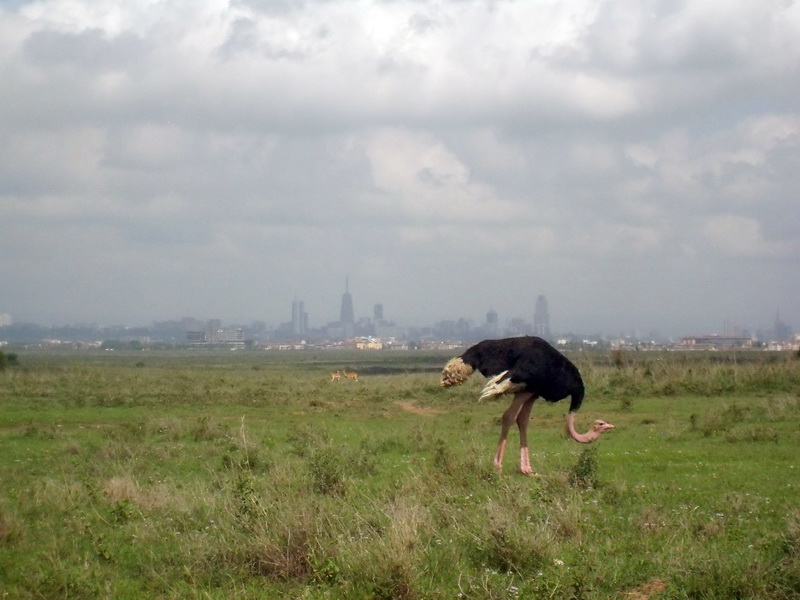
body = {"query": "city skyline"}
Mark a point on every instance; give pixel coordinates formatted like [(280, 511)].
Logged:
[(300, 324)]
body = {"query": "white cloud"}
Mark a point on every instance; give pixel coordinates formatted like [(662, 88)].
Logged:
[(740, 237)]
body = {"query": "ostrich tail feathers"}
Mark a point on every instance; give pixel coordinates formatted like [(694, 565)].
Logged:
[(498, 385), (455, 372)]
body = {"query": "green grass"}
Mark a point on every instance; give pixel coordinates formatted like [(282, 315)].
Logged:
[(250, 475)]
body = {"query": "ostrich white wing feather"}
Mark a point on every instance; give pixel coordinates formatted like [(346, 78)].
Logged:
[(498, 386)]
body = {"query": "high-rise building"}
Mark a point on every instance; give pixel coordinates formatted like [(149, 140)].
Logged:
[(377, 313), (299, 318), (782, 331), (346, 315), (491, 322), (541, 318)]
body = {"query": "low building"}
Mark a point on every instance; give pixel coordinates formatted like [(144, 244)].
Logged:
[(369, 344), (226, 337), (716, 342)]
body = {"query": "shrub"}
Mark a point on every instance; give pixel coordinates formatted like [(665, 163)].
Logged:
[(327, 471), (584, 473)]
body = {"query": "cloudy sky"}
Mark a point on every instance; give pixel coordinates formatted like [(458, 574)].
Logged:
[(636, 161)]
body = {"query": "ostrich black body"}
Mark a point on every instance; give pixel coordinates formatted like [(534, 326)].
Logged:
[(532, 362)]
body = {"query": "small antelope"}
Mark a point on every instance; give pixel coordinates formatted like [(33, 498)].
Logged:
[(335, 376), (351, 375)]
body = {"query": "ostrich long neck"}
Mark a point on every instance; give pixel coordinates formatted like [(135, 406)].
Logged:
[(583, 438)]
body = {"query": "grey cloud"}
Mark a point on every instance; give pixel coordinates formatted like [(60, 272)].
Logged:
[(90, 49), (591, 152)]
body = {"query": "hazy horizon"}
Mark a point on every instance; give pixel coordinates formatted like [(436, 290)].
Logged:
[(558, 324), (638, 163)]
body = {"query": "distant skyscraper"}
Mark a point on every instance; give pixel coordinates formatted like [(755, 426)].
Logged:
[(347, 315), (377, 313), (782, 331), (299, 317), (491, 322), (541, 318)]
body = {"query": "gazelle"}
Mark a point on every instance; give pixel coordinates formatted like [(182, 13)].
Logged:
[(335, 376), (351, 375)]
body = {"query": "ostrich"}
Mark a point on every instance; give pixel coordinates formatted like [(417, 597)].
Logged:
[(527, 367)]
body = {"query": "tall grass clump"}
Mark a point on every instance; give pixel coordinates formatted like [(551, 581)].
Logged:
[(585, 472), (626, 374)]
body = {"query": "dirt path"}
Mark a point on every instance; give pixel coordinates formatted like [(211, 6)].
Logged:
[(426, 412), (647, 591)]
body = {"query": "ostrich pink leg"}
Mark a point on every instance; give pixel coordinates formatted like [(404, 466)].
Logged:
[(522, 422), (509, 417)]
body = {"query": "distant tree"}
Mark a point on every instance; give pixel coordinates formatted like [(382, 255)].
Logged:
[(8, 360)]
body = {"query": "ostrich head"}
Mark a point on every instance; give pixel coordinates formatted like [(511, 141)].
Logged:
[(601, 427), (598, 428)]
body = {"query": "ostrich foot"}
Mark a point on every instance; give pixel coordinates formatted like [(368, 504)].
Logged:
[(498, 456), (525, 464)]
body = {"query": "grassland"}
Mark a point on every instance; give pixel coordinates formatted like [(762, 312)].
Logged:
[(251, 475)]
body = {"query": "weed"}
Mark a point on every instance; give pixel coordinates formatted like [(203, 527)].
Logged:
[(205, 429), (711, 425), (584, 473), (395, 583), (10, 528), (755, 433), (123, 511), (248, 502), (305, 438), (507, 552), (284, 555), (324, 568), (443, 458), (326, 469)]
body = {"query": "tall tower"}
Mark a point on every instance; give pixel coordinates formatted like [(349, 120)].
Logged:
[(782, 331), (491, 322), (295, 316), (377, 313), (346, 315), (299, 317), (541, 318)]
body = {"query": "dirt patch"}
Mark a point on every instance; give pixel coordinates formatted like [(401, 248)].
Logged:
[(426, 412), (647, 591)]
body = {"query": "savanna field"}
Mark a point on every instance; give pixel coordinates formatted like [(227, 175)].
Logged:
[(250, 474)]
